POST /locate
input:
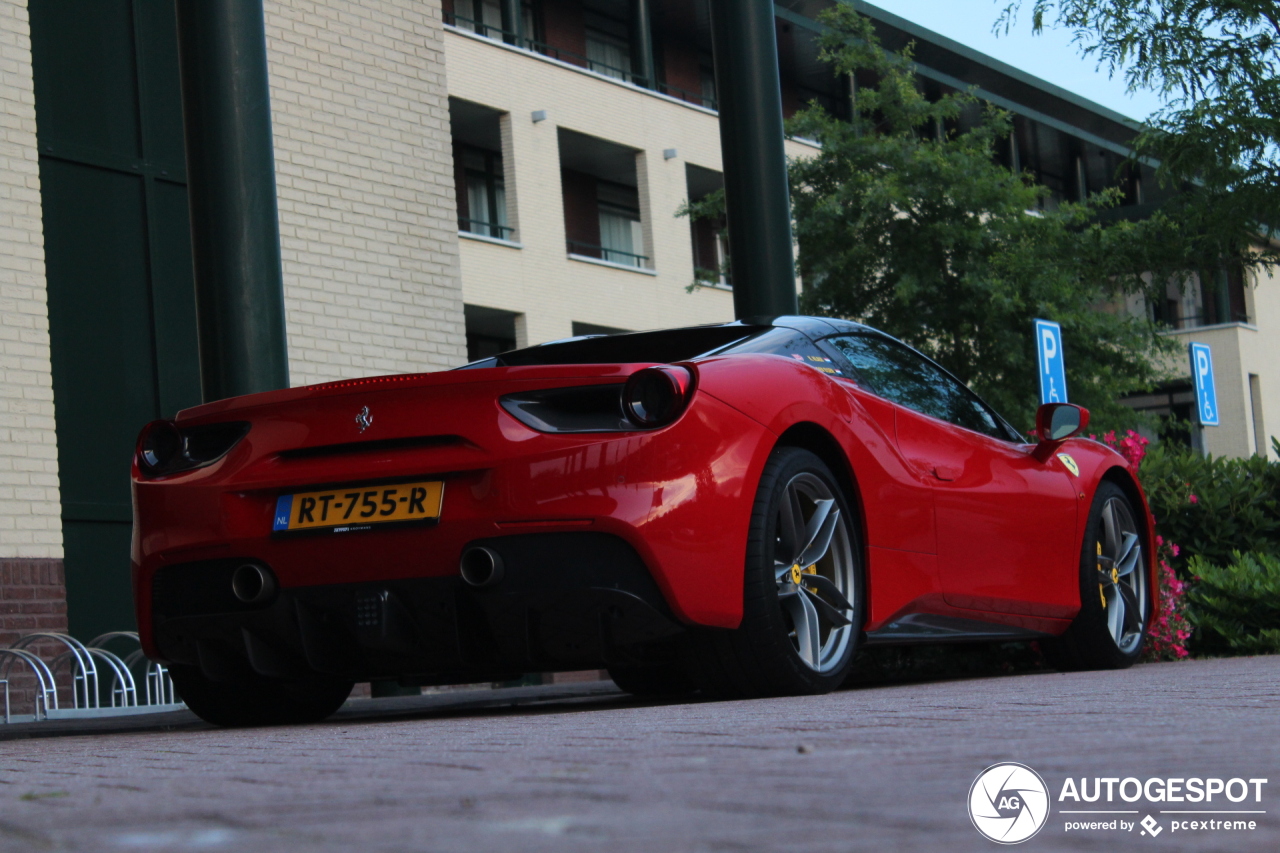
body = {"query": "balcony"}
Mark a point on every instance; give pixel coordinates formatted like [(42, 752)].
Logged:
[(579, 250), (479, 173)]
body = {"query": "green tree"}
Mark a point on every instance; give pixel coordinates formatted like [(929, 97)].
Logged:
[(1214, 62), (906, 221)]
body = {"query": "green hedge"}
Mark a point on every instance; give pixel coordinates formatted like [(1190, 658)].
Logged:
[(1210, 506), (1236, 606), (1224, 517)]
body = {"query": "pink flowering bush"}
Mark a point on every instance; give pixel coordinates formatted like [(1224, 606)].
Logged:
[(1133, 447), (1171, 629)]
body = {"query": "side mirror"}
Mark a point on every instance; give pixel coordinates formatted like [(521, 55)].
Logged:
[(1055, 423)]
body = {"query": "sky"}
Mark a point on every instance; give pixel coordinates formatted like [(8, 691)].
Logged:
[(1050, 56)]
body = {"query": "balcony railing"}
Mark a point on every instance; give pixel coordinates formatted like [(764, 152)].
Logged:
[(1199, 321), (484, 229), (716, 278), (478, 27), (568, 56), (604, 253)]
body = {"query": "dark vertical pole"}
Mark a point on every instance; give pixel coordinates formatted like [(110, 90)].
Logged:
[(235, 235), (642, 43), (512, 22), (755, 169)]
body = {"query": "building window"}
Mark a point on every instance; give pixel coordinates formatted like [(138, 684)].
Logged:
[(710, 237), (602, 213), (486, 200), (707, 78), (1255, 409), (489, 331), (1223, 298), (710, 251), (1174, 407), (581, 329), (621, 237), (1208, 299), (608, 46), (483, 17)]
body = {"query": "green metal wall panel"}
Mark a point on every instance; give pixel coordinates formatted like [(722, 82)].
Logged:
[(100, 329), (118, 258), (86, 81), (160, 85), (99, 598), (173, 304)]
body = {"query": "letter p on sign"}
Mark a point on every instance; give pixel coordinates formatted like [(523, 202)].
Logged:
[(1053, 368), (1206, 392)]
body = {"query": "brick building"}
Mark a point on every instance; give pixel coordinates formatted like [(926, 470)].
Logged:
[(98, 311), (451, 181)]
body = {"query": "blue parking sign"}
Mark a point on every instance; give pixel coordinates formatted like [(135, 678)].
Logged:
[(1053, 367), (1206, 393)]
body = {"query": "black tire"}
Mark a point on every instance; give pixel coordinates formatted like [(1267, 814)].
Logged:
[(662, 680), (1091, 642), (764, 656), (259, 701)]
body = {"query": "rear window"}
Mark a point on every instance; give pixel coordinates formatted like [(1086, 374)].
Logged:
[(661, 347)]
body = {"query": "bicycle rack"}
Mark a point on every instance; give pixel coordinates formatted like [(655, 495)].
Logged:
[(84, 680), (155, 675), (84, 663), (46, 695)]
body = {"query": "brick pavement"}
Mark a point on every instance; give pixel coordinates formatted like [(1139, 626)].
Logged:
[(874, 768)]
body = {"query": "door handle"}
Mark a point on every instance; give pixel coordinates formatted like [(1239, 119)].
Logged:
[(946, 473)]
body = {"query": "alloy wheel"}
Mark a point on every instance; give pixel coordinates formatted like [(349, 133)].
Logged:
[(1122, 580), (814, 570)]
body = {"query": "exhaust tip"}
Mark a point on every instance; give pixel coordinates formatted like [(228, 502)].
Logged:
[(252, 583), (481, 566)]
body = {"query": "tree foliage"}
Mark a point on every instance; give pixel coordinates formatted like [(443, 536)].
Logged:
[(1215, 64), (905, 221)]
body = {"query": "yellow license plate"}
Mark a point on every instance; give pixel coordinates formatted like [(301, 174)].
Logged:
[(359, 506)]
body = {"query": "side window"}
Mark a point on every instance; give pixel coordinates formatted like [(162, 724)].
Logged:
[(897, 374), (970, 412), (903, 376), (792, 344)]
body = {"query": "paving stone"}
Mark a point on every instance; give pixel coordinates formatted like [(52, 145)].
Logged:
[(883, 768)]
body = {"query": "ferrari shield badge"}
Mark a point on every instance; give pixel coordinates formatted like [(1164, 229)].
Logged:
[(1069, 464)]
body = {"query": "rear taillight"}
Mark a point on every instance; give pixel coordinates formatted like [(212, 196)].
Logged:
[(656, 396), (651, 398), (164, 448), (159, 447)]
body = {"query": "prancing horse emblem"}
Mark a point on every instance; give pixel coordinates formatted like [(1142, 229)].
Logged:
[(364, 420)]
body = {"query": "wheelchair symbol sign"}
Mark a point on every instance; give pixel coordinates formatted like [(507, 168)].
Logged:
[(1052, 365), (1206, 393)]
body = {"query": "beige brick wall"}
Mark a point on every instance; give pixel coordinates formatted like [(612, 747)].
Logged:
[(364, 172), (538, 281), (1249, 412), (1260, 353), (30, 521)]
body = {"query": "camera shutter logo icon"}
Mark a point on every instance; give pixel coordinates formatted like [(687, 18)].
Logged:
[(1008, 803)]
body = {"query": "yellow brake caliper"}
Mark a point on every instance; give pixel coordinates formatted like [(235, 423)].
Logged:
[(1101, 594)]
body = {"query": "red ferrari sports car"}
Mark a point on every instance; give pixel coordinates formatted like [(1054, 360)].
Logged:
[(733, 509)]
